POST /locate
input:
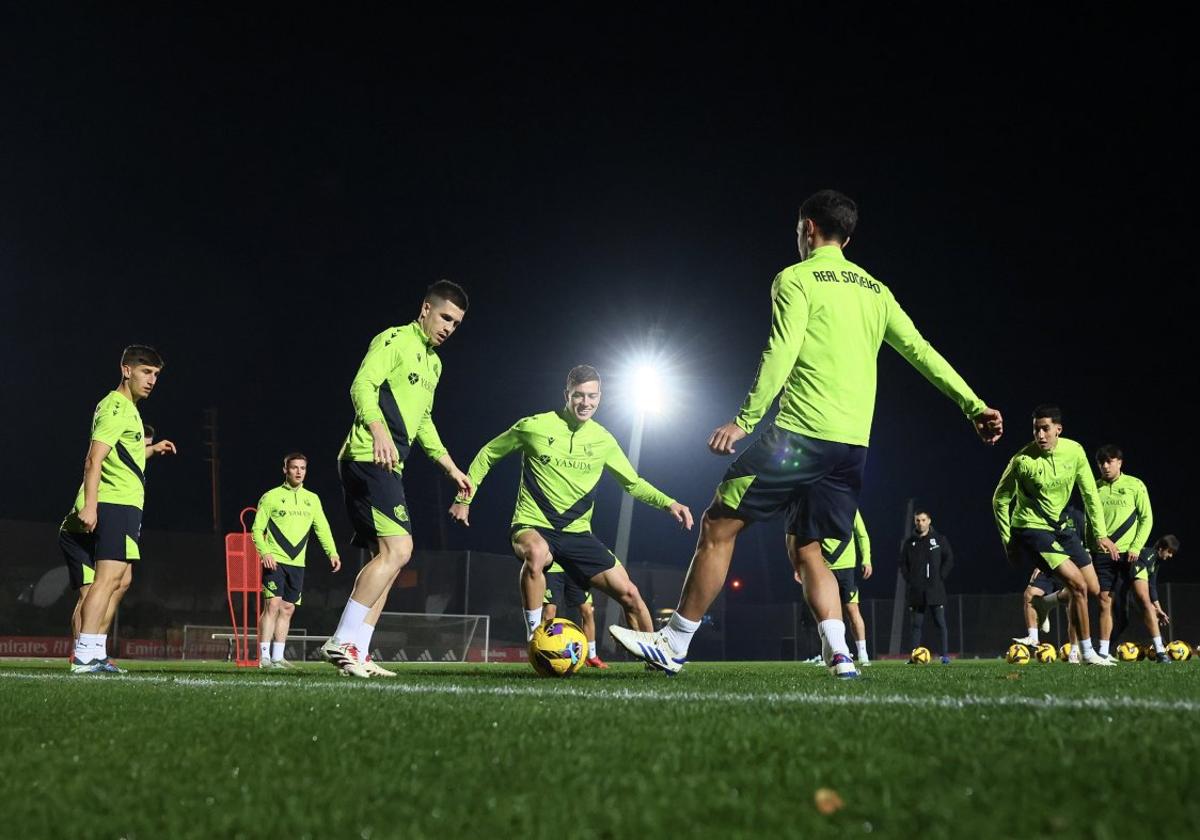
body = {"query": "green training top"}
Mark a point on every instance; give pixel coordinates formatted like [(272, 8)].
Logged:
[(1127, 514), (395, 384), (844, 554), (285, 518), (828, 318), (123, 470), (561, 463), (1041, 484)]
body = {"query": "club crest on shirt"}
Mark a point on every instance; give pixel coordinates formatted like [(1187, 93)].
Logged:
[(401, 513), (414, 378), (933, 543)]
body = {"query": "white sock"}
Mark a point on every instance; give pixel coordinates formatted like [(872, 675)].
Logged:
[(1085, 646), (679, 632), (88, 646), (834, 632), (826, 653), (592, 651), (532, 619), (277, 651), (354, 615), (862, 650), (1158, 645), (264, 650), (1033, 634), (362, 639), (1104, 647)]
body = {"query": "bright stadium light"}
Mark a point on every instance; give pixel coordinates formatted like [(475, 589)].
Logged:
[(647, 389)]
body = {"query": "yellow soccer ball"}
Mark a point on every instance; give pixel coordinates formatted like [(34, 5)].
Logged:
[(1045, 652), (1064, 652), (1017, 654), (558, 648), (1128, 652), (1178, 651), (920, 656)]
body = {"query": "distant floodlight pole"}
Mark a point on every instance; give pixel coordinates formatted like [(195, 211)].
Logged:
[(647, 398)]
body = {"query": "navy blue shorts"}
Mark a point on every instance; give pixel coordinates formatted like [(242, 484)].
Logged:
[(815, 482), (847, 585), (283, 581), (1108, 571), (374, 502), (582, 555), (1046, 550), (118, 529), (1044, 582), (563, 591)]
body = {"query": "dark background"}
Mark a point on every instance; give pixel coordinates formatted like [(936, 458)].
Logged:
[(259, 191)]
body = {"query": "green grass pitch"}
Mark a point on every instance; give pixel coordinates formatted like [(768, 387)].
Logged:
[(970, 750)]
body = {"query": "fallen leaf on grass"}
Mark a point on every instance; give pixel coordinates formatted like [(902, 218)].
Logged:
[(827, 801)]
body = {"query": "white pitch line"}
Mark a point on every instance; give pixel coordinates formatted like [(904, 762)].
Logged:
[(559, 691)]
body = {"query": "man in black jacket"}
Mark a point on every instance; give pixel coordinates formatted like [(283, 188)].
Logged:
[(925, 560)]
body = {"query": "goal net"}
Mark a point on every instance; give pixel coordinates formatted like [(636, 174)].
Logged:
[(429, 637)]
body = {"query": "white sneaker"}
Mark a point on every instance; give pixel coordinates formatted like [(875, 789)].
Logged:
[(1025, 640), (652, 648), (816, 660), (1093, 658), (345, 656), (282, 665), (377, 670), (863, 663), (1073, 656), (265, 665), (1112, 659), (842, 666)]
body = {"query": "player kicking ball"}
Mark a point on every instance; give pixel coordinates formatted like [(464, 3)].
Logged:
[(564, 453), (829, 318), (393, 407), (1029, 505)]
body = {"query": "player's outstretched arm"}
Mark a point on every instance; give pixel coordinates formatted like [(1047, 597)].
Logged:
[(163, 447), (989, 425), (498, 447)]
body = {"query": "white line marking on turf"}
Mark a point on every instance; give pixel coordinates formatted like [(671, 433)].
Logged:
[(559, 691)]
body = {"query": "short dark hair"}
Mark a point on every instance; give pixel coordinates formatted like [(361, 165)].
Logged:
[(921, 510), (580, 374), (147, 430), (141, 354), (834, 214), (1108, 452), (1048, 410), (294, 456), (1169, 542), (448, 291)]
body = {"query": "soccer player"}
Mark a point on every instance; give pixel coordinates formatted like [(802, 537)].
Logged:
[(287, 515), (79, 568), (1144, 583), (393, 403), (828, 320), (1128, 518), (1029, 505), (563, 455), (842, 557), (99, 537), (563, 592)]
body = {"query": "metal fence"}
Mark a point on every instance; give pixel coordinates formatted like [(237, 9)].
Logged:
[(181, 582)]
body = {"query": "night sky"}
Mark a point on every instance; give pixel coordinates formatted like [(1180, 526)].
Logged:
[(259, 192)]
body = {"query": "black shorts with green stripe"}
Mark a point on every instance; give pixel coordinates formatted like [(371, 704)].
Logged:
[(374, 502), (581, 555), (1046, 550), (115, 537), (847, 585), (815, 482)]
